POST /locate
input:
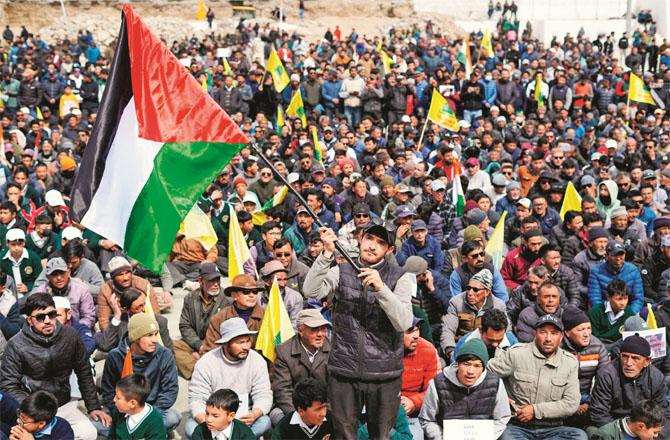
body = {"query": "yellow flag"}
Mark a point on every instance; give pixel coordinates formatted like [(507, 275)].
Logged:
[(280, 119), (226, 67), (296, 109), (39, 113), (496, 245), (651, 318), (204, 84), (198, 226), (238, 251), (318, 153), (276, 69), (379, 45), (149, 311), (202, 12), (572, 201), (387, 60), (440, 112), (487, 47), (638, 91), (276, 326)]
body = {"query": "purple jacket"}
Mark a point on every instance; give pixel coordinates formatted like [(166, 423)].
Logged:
[(81, 300)]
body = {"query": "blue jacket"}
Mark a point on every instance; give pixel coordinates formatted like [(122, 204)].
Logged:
[(159, 367), (499, 289), (329, 91), (505, 204), (550, 219), (85, 335), (602, 274), (327, 217), (431, 252), (12, 323), (648, 216), (297, 240), (490, 91)]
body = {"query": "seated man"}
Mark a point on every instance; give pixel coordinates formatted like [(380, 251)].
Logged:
[(590, 257), (121, 277), (42, 356), (466, 310), (183, 262), (526, 294), (82, 268), (303, 356), (65, 317), (607, 318), (421, 365), (130, 302), (626, 381), (615, 266), (198, 309), (297, 271), (645, 422), (492, 332), (244, 291), (142, 350), (292, 298), (423, 245), (236, 366), (60, 283), (465, 390), (561, 275), (310, 419), (515, 266), (474, 260), (548, 303), (591, 354), (542, 383)]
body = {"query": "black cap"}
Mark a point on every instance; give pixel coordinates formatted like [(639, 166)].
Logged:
[(615, 248), (549, 319), (361, 208), (209, 271), (380, 231)]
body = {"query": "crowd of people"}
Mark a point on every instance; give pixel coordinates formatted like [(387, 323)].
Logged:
[(427, 327)]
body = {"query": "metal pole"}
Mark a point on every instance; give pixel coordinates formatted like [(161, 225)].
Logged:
[(629, 16), (303, 202)]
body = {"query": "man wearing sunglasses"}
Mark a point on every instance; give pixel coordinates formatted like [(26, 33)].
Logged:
[(466, 309), (42, 357)]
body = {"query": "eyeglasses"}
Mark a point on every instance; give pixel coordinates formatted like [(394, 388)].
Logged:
[(266, 174), (41, 317), (475, 289), (283, 254), (479, 255), (361, 216), (20, 421)]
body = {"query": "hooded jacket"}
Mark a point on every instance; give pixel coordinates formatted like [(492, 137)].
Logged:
[(602, 274), (613, 189)]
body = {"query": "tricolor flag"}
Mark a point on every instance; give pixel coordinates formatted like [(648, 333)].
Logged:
[(487, 47), (572, 201), (638, 90), (238, 251), (457, 194), (157, 144), (441, 113), (276, 326), (463, 56), (496, 245), (296, 109), (276, 69)]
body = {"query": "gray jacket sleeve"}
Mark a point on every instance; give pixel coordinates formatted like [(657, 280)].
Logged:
[(397, 304), (321, 279), (432, 429), (501, 412), (449, 327)]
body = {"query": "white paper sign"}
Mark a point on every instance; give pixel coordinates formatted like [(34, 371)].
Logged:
[(656, 339), (223, 52), (243, 409), (468, 430)]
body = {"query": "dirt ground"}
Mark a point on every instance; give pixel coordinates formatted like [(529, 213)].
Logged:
[(176, 19)]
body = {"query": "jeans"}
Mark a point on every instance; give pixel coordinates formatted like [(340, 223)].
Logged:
[(301, 13), (515, 432), (471, 115), (353, 115), (260, 426)]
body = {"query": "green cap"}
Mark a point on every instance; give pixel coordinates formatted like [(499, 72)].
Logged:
[(474, 347)]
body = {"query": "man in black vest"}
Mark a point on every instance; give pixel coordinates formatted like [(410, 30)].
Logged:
[(371, 310), (465, 390)]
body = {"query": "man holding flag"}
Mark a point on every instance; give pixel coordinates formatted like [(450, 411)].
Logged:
[(374, 299)]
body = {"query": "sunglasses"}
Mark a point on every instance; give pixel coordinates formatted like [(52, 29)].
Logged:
[(283, 254), (475, 289), (509, 173), (470, 165), (361, 216), (40, 317), (479, 255), (559, 157), (266, 174), (248, 292)]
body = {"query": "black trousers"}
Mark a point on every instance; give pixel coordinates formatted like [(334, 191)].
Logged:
[(347, 398)]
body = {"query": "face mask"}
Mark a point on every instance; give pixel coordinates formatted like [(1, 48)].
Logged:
[(606, 200), (488, 78)]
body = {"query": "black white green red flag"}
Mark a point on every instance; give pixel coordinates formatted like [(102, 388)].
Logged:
[(158, 142)]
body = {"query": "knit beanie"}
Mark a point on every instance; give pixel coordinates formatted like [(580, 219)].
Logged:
[(484, 277), (469, 205), (474, 347), (636, 345), (634, 324), (472, 232), (573, 317), (140, 325), (386, 180), (597, 232), (67, 163), (475, 216), (415, 265)]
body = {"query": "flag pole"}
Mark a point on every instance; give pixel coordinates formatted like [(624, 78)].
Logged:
[(422, 132), (303, 202)]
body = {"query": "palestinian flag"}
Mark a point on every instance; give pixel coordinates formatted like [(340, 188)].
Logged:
[(159, 141)]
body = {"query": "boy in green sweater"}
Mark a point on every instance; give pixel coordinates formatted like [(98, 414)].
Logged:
[(220, 410), (608, 318), (310, 420), (645, 422), (135, 419)]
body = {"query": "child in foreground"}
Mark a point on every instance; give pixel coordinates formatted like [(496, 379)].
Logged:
[(37, 418), (134, 419), (220, 411)]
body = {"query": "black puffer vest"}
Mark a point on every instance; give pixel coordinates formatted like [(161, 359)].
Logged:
[(477, 402), (365, 345)]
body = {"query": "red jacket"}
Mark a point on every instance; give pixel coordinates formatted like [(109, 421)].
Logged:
[(421, 366), (514, 268)]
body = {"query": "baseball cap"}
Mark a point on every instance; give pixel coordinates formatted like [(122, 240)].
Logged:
[(499, 180), (54, 198), (648, 174), (70, 233), (311, 318), (526, 203), (15, 234), (472, 161), (437, 185), (302, 210), (419, 225), (402, 188), (55, 265), (380, 231), (549, 319), (209, 271), (615, 248), (404, 211), (361, 208)]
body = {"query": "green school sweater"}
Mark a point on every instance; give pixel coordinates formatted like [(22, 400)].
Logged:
[(240, 432), (600, 324), (150, 428)]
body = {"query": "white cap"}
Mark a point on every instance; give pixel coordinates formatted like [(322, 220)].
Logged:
[(293, 177), (437, 185), (54, 198), (15, 234), (526, 203), (611, 143), (62, 302), (596, 156), (70, 233)]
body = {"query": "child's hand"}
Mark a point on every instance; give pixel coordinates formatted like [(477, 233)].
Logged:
[(101, 416), (19, 433)]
